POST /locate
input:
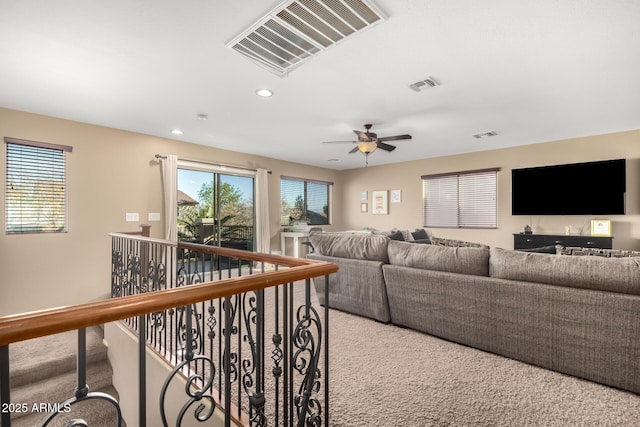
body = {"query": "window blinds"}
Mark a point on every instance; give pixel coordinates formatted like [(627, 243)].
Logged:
[(461, 200), (36, 191), (304, 200)]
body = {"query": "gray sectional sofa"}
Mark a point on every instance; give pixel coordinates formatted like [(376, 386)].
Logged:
[(579, 315)]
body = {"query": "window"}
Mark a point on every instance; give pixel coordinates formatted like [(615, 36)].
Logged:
[(461, 199), (36, 189), (304, 200)]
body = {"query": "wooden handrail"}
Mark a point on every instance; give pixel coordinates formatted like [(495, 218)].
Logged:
[(21, 327), (280, 260)]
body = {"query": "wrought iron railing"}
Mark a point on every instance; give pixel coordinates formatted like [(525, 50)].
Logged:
[(239, 326)]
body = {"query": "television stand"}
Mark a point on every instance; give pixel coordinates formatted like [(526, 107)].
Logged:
[(530, 241)]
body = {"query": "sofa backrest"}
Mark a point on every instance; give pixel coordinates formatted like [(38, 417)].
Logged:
[(347, 245), (620, 275), (462, 260)]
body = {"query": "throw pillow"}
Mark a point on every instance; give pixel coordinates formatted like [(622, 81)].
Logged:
[(420, 234), (397, 236)]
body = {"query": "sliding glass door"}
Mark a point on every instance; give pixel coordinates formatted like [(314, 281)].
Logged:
[(216, 208)]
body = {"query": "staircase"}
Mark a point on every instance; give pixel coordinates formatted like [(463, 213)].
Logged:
[(43, 374)]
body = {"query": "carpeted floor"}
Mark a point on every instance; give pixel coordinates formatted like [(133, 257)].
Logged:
[(383, 375), (43, 373)]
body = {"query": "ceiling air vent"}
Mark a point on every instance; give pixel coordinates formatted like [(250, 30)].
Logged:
[(295, 31), (425, 84), (485, 134)]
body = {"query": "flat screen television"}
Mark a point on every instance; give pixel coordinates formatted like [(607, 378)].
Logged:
[(592, 188)]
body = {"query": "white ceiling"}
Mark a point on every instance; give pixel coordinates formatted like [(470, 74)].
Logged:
[(531, 70)]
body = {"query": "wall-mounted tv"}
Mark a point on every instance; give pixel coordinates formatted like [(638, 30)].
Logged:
[(592, 188)]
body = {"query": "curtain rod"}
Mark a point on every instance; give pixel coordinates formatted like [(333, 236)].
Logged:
[(160, 156)]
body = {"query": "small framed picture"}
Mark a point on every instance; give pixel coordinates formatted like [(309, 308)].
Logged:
[(396, 196), (600, 227), (364, 196), (380, 202), (364, 207)]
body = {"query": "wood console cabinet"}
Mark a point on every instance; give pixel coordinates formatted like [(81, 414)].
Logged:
[(530, 241)]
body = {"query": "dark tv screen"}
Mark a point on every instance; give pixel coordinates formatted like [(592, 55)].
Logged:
[(593, 188)]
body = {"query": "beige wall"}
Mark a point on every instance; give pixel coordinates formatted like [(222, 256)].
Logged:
[(406, 176), (110, 172)]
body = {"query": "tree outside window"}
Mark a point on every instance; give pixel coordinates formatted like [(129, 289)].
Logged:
[(304, 200)]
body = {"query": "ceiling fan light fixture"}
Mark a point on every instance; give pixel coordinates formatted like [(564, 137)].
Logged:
[(367, 147)]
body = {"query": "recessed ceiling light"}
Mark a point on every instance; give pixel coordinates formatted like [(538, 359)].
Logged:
[(265, 93), (176, 132), (202, 117)]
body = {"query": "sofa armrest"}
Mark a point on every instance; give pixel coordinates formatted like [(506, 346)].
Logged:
[(358, 287)]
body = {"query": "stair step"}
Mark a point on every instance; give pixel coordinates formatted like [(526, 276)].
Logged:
[(43, 372), (97, 413), (33, 360), (62, 387)]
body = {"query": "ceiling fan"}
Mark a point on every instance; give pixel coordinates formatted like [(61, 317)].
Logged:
[(368, 141)]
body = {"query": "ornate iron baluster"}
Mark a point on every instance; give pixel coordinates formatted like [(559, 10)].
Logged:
[(230, 358), (250, 367), (117, 273), (307, 340), (276, 354), (200, 394)]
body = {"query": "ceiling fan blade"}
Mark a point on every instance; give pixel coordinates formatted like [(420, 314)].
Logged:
[(362, 136), (354, 150), (339, 142), (395, 138), (386, 147)]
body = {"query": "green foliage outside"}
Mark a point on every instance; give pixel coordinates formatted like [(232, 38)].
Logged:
[(298, 212), (196, 222)]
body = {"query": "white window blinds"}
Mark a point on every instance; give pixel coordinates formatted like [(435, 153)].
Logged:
[(36, 189), (304, 200), (461, 200)]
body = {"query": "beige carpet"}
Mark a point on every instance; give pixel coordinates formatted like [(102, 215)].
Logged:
[(382, 375), (43, 371)]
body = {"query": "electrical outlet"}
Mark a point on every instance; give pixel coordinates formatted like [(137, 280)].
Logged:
[(132, 217), (153, 216)]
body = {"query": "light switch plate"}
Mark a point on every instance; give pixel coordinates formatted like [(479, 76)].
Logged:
[(132, 217), (154, 216)]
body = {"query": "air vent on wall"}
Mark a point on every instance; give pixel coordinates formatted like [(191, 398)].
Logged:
[(425, 84), (295, 31)]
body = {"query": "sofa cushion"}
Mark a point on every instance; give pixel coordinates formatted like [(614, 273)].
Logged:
[(620, 275), (463, 260), (346, 245)]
